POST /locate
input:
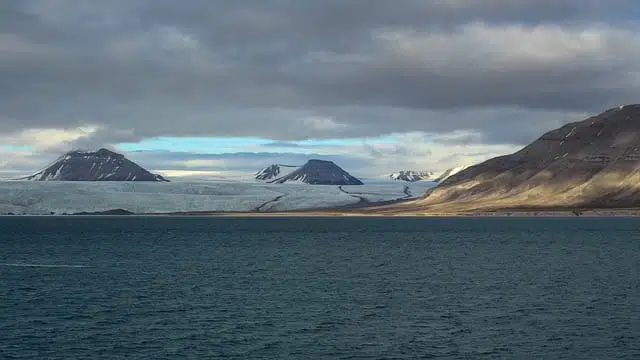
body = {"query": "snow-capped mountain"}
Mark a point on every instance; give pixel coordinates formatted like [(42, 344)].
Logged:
[(412, 176), (275, 171), (319, 172), (99, 165)]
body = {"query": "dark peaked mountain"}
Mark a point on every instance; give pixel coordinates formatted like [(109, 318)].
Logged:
[(590, 163), (319, 172), (100, 165)]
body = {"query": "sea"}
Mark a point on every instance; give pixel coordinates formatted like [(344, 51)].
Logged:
[(319, 288)]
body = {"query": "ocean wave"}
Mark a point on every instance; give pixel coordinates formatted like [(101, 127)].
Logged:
[(43, 265)]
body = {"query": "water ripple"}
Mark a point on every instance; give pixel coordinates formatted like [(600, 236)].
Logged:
[(320, 288)]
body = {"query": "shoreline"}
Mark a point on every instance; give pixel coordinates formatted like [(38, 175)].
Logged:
[(383, 209), (537, 214), (379, 210), (585, 213)]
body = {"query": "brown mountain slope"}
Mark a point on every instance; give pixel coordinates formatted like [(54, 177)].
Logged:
[(590, 163)]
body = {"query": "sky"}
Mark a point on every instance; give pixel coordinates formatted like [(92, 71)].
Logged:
[(223, 87)]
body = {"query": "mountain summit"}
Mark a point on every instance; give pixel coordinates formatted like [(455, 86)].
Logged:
[(99, 165), (590, 163), (319, 172)]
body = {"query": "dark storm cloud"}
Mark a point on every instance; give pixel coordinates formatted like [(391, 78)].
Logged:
[(291, 70)]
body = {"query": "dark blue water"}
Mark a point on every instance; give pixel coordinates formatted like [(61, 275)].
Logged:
[(287, 288)]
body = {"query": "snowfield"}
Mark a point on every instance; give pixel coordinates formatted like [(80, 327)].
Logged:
[(55, 198)]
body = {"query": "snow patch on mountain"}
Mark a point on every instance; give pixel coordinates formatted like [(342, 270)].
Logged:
[(275, 171), (440, 177)]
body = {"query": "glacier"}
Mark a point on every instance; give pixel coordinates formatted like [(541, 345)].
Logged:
[(57, 198)]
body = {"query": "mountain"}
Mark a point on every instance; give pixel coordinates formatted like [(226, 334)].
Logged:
[(412, 176), (274, 171), (319, 172), (590, 163), (99, 165)]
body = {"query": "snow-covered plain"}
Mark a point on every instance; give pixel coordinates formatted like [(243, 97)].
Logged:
[(53, 198)]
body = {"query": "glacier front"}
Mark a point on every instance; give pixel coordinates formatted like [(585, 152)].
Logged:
[(56, 198)]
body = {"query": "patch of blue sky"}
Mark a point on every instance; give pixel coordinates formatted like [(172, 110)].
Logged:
[(16, 148), (193, 144), (218, 145)]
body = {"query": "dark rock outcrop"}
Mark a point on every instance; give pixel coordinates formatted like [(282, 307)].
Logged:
[(113, 212), (100, 165)]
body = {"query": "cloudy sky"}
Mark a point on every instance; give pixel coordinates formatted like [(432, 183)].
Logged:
[(201, 87)]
